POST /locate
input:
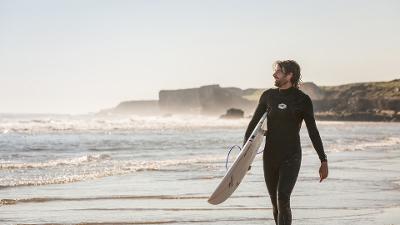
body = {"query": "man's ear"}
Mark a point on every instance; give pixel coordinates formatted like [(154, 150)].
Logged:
[(290, 76)]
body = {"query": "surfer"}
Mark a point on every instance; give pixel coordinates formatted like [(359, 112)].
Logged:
[(287, 107)]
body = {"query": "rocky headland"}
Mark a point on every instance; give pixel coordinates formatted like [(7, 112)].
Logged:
[(369, 101)]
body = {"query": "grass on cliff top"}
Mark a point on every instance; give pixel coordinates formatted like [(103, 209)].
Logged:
[(383, 84), (387, 89)]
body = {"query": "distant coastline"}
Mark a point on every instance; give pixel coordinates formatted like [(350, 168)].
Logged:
[(368, 101)]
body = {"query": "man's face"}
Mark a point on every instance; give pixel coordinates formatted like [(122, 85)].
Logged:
[(280, 77)]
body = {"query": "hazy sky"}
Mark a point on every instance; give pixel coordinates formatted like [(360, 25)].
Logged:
[(81, 56)]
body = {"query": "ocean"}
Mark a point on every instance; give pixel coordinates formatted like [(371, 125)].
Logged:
[(86, 169)]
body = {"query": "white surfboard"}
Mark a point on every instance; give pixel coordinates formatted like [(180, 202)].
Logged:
[(240, 166)]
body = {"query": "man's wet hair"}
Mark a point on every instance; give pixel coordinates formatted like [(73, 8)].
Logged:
[(290, 66)]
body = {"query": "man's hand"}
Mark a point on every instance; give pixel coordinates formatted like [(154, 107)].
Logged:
[(323, 171)]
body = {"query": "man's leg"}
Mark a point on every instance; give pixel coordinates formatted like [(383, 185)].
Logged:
[(288, 172), (271, 176)]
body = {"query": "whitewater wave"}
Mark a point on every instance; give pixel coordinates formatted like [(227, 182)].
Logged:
[(131, 123), (360, 146), (87, 168), (59, 162)]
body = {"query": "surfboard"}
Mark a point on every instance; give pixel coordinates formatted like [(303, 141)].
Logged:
[(240, 166)]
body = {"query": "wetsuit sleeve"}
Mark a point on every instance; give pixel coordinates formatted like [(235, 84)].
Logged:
[(260, 110), (312, 129)]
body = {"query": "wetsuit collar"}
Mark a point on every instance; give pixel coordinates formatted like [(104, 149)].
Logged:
[(286, 91)]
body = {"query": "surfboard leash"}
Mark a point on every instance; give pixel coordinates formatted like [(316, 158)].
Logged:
[(230, 149), (227, 157)]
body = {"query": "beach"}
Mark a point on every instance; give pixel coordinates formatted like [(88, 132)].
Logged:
[(161, 170)]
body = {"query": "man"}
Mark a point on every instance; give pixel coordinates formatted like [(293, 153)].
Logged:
[(287, 107)]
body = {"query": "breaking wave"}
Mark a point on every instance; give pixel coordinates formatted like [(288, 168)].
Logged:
[(364, 145), (113, 124), (86, 168)]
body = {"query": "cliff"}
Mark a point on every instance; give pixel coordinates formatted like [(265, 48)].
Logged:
[(210, 99), (145, 108), (374, 101), (371, 101)]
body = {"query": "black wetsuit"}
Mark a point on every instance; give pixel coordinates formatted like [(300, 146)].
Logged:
[(282, 153)]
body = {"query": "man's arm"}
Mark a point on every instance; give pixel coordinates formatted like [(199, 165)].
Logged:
[(258, 113), (312, 129)]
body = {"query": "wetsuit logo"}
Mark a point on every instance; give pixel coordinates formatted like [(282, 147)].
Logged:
[(282, 106)]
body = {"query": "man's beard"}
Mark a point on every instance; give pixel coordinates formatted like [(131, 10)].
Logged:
[(280, 82)]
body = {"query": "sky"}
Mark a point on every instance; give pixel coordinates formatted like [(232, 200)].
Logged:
[(80, 56)]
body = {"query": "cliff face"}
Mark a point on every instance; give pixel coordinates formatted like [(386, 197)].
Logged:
[(362, 97), (184, 100), (313, 91), (360, 101), (211, 99)]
